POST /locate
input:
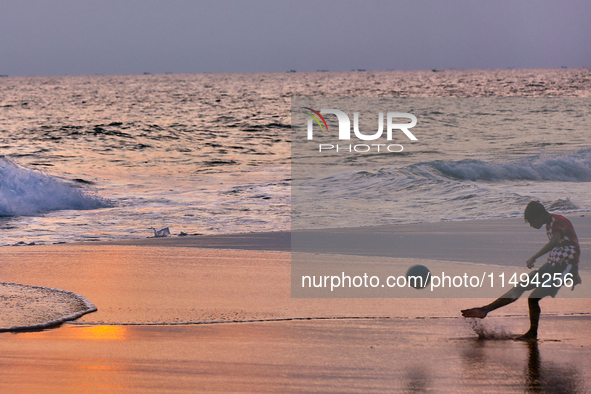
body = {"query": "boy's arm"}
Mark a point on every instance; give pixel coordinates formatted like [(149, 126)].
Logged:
[(554, 242)]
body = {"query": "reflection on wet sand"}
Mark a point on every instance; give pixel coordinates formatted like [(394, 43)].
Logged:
[(89, 333), (497, 363), (102, 333), (549, 377), (358, 355)]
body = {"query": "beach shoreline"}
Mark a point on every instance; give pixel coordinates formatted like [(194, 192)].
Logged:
[(497, 244), (495, 241)]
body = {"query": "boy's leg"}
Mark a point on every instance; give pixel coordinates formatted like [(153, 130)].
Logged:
[(534, 318), (538, 294), (507, 298)]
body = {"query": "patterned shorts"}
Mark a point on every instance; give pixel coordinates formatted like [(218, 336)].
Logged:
[(545, 276), (562, 254)]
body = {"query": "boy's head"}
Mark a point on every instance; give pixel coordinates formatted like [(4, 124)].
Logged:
[(535, 214)]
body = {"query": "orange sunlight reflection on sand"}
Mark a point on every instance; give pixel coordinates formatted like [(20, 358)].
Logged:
[(89, 333), (101, 333)]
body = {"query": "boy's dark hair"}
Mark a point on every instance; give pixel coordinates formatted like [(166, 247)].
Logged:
[(534, 209)]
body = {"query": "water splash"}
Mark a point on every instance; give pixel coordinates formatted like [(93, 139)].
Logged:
[(489, 330)]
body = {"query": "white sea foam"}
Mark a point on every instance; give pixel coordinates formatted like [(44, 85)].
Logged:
[(28, 193), (34, 307)]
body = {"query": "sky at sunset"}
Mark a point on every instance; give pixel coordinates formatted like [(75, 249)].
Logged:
[(181, 36)]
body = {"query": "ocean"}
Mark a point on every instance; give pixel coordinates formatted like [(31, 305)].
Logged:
[(92, 158)]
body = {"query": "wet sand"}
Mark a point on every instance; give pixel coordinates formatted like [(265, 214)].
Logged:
[(507, 241), (173, 318), (345, 356)]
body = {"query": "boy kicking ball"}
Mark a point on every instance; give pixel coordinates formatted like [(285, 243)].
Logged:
[(563, 263)]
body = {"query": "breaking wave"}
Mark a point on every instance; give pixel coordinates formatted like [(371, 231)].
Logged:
[(568, 167), (444, 190), (29, 193)]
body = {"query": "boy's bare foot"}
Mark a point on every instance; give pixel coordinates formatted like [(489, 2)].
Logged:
[(475, 312), (528, 336)]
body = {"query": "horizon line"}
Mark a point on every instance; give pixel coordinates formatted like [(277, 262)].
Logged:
[(293, 71)]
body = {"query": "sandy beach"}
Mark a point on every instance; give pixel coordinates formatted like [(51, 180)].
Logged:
[(190, 314)]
